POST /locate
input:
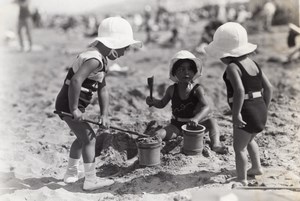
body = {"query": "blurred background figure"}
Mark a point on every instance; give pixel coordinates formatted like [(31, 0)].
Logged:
[(91, 25), (24, 22), (243, 14), (69, 23), (148, 23), (179, 29), (231, 14), (207, 34), (37, 19), (137, 21), (294, 31), (269, 10)]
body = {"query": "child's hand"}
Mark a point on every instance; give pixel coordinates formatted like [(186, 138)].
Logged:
[(104, 121), (77, 115), (150, 101), (238, 121), (193, 122)]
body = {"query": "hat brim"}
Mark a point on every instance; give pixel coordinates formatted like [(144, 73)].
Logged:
[(114, 43), (197, 61), (215, 51), (294, 27)]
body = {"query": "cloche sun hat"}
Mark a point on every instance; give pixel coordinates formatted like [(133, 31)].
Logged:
[(230, 40), (116, 33), (184, 54)]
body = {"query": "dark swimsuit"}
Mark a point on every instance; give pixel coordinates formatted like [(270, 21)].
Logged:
[(24, 12), (183, 108), (254, 111)]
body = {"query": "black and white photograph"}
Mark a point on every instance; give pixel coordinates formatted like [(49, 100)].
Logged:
[(141, 100)]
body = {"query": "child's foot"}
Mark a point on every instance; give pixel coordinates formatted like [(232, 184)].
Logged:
[(252, 172), (220, 149), (70, 178), (239, 183)]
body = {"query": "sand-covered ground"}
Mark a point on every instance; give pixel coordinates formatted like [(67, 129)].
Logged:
[(35, 142)]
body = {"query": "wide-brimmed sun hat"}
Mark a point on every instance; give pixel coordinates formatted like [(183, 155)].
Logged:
[(230, 40), (294, 27), (184, 54), (116, 33)]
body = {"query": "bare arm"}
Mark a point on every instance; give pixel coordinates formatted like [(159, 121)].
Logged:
[(267, 90), (162, 102), (76, 82), (234, 76), (202, 109), (103, 99)]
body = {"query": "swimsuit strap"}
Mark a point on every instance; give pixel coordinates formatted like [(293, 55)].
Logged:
[(241, 67), (259, 70), (191, 93)]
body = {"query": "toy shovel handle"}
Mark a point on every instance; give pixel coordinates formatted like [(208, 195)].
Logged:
[(99, 124), (70, 115), (150, 81)]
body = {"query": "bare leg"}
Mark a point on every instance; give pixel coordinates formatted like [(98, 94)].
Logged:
[(76, 150), (241, 140), (87, 138), (213, 131), (20, 25), (28, 32), (253, 151), (168, 132), (214, 135)]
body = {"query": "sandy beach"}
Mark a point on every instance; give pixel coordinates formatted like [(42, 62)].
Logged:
[(36, 143)]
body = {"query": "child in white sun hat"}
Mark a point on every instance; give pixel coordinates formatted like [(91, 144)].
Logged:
[(189, 105), (85, 77), (249, 93)]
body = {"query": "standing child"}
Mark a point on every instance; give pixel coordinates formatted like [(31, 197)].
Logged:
[(188, 100), (249, 94), (24, 21), (86, 76)]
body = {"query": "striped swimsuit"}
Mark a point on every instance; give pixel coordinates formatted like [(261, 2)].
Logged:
[(89, 86)]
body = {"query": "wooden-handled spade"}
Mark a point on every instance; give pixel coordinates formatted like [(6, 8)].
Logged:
[(99, 124)]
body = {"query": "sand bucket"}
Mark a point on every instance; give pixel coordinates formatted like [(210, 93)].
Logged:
[(192, 139), (149, 151)]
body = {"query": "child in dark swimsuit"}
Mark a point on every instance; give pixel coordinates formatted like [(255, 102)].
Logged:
[(189, 105), (249, 94), (85, 77)]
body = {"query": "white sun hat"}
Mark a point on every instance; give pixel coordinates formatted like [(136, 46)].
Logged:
[(184, 54), (294, 27), (230, 40), (116, 33)]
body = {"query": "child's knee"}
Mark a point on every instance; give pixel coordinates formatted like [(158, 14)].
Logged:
[(239, 149), (210, 124), (89, 139)]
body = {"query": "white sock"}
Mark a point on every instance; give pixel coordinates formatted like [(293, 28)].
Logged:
[(73, 165), (90, 171), (91, 181)]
